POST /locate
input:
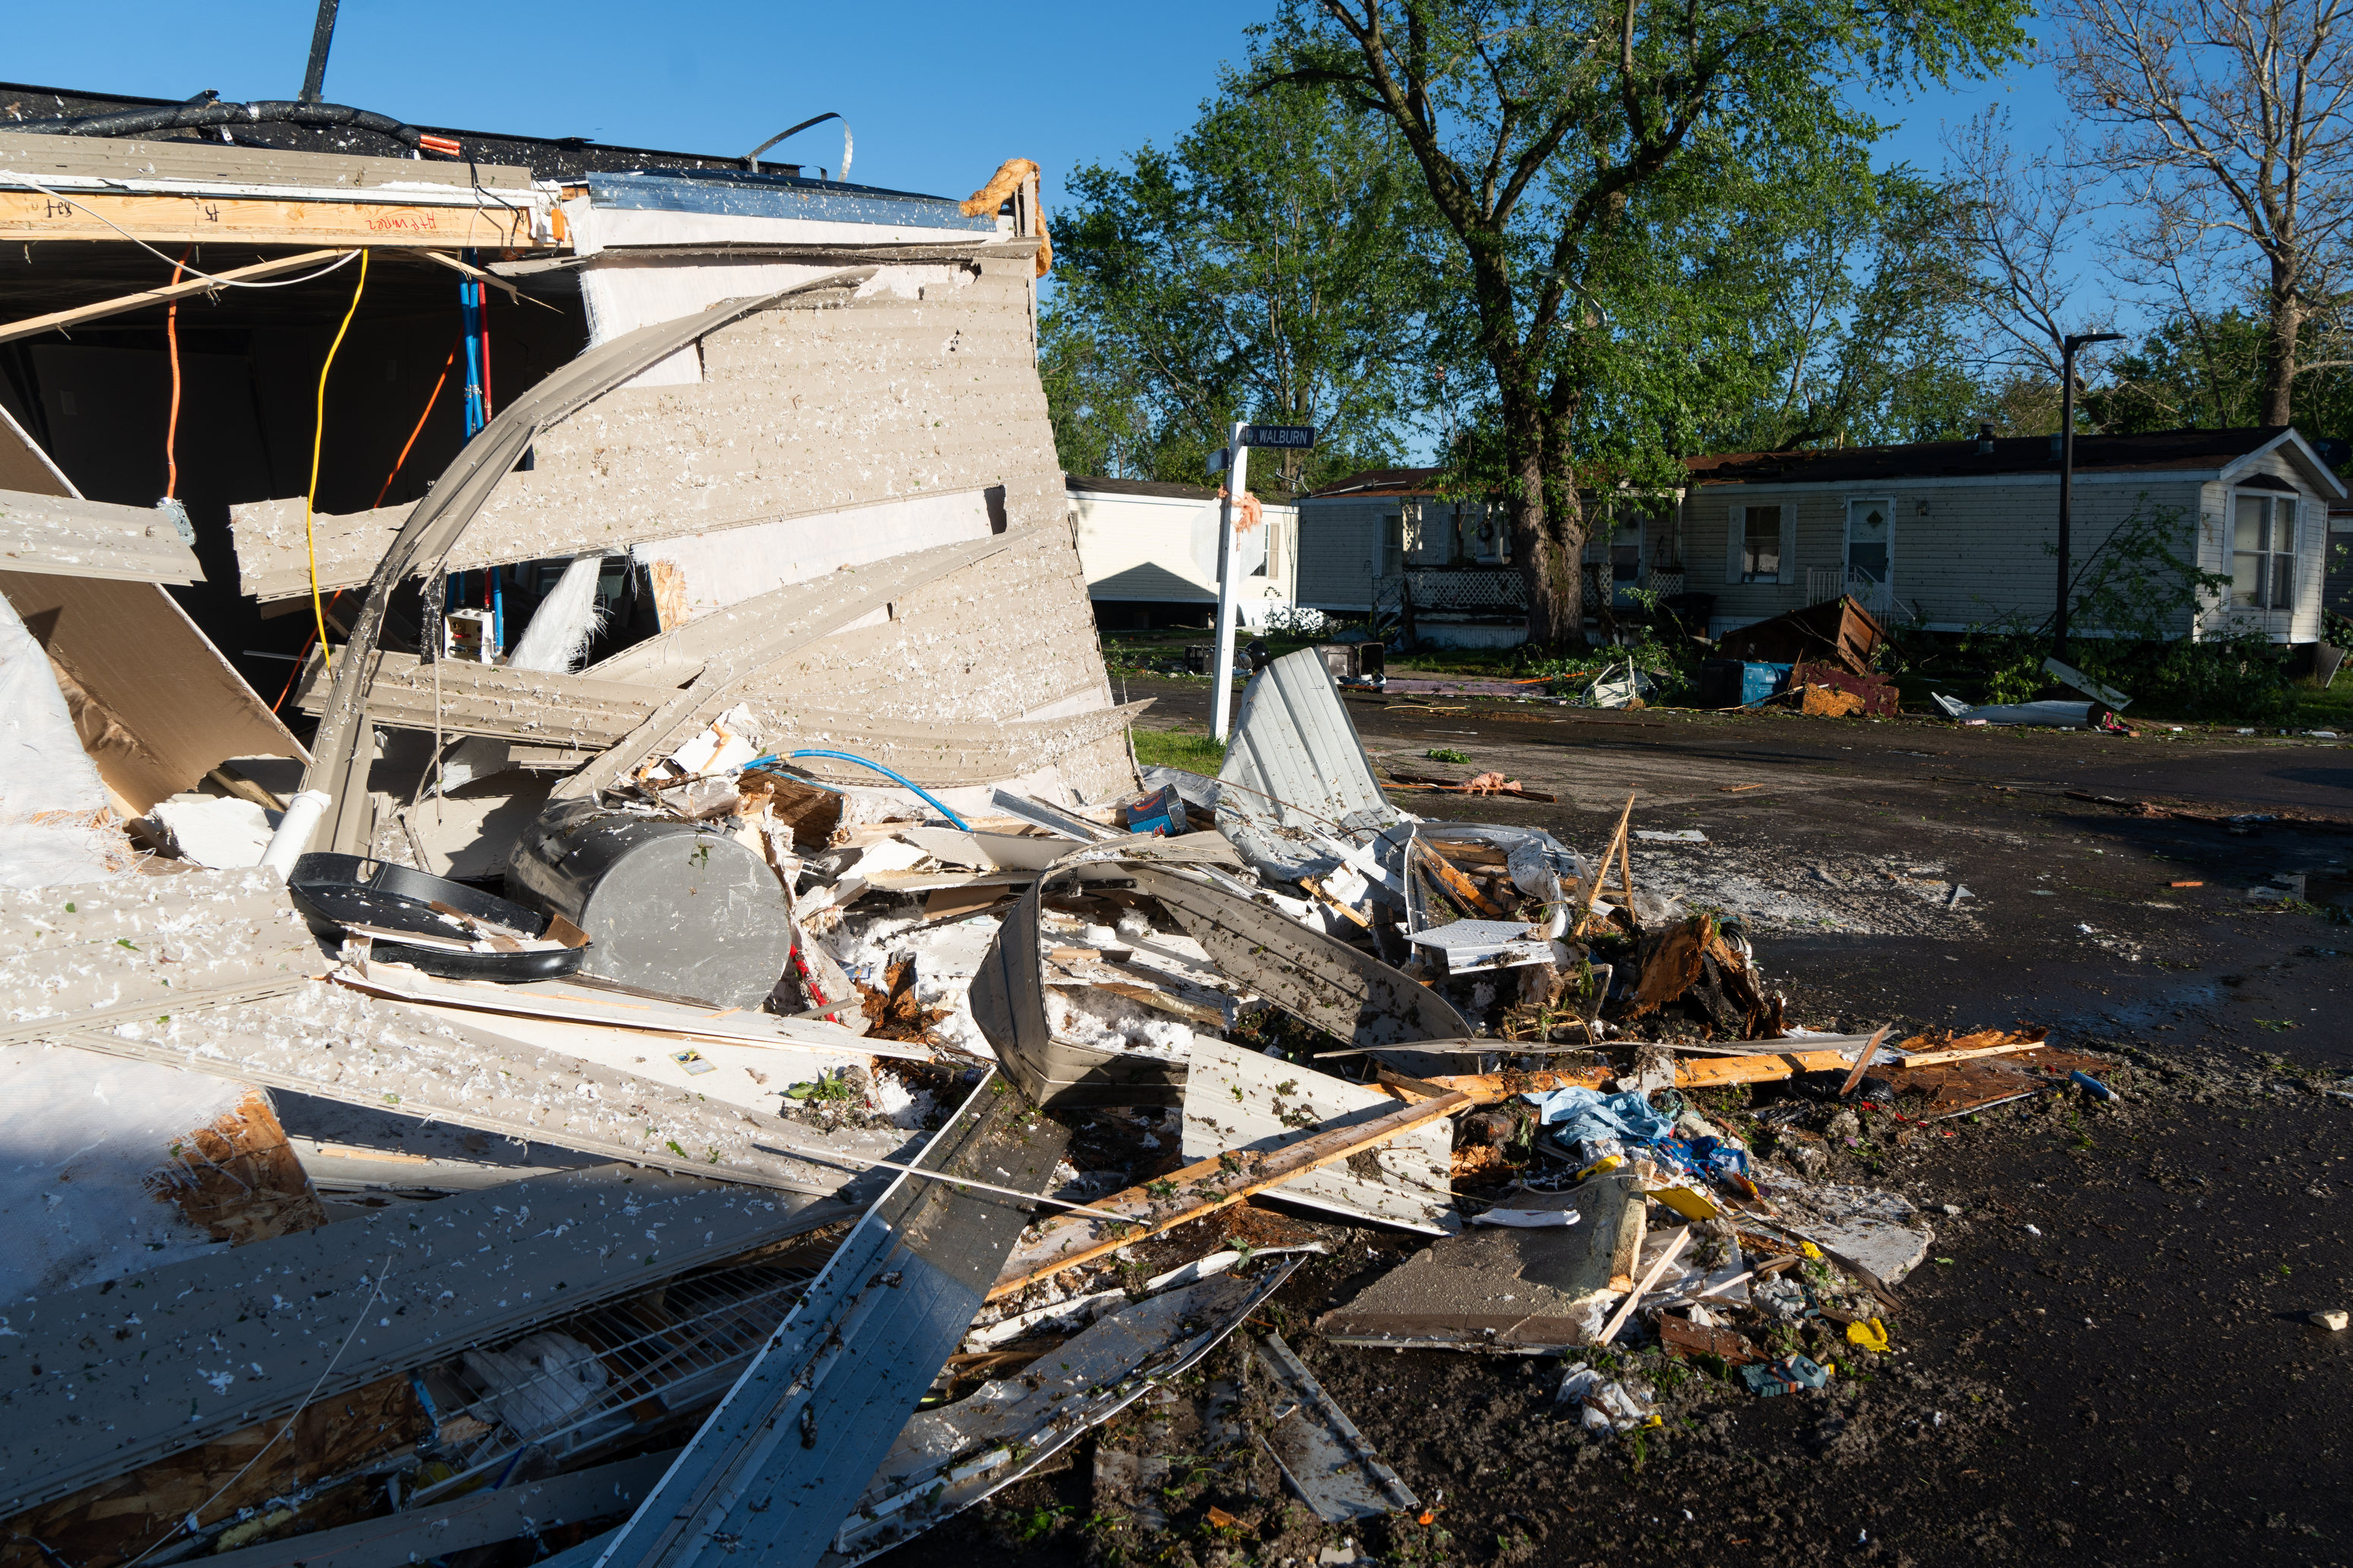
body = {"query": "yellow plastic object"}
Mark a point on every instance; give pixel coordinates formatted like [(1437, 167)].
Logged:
[(1688, 1202), (1602, 1166), (1870, 1334)]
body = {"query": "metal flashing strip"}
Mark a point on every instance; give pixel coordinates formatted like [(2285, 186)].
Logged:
[(481, 1517), (947, 1460), (1296, 776), (781, 197), (1327, 1460), (782, 1461), (102, 1380)]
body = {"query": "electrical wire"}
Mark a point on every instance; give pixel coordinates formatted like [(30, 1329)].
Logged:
[(11, 174), (927, 799), (172, 426), (317, 440), (413, 435), (308, 639)]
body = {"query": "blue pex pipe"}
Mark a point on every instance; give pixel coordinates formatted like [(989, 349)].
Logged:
[(925, 795)]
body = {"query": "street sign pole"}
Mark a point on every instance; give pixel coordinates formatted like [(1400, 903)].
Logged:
[(1236, 475)]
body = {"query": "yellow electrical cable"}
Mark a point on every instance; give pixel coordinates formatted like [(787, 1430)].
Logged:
[(318, 439)]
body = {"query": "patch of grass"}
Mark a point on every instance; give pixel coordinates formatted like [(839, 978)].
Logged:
[(1446, 754), (1177, 749)]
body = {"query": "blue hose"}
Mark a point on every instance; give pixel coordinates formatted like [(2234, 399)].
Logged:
[(845, 757)]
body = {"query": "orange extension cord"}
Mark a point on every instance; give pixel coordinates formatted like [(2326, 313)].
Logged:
[(172, 428)]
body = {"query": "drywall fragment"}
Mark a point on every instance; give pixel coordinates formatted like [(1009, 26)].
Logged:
[(211, 830)]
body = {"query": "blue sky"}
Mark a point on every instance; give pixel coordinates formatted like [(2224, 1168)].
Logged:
[(936, 94)]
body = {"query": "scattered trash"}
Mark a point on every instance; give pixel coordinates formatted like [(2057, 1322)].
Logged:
[(1681, 835), (1603, 1404), (2091, 1085), (2333, 1321), (1788, 1375)]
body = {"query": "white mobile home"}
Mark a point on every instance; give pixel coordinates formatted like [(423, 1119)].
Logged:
[(1150, 550), (1949, 535)]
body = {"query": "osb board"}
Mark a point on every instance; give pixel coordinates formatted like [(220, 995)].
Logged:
[(166, 217), (1960, 1085), (801, 409), (239, 1177), (118, 1520), (155, 703), (113, 1168)]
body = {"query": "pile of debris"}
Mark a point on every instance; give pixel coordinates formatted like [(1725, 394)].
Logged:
[(776, 1209), (749, 1065)]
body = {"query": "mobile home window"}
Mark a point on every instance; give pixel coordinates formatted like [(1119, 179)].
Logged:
[(1761, 544), (2263, 553), (1392, 544)]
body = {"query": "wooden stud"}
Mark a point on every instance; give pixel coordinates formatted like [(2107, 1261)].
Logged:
[(194, 220), (33, 326)]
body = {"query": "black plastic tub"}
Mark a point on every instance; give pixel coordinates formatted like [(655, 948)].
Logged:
[(335, 892)]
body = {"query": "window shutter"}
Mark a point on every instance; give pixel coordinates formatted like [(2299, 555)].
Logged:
[(1788, 541), (1736, 533)]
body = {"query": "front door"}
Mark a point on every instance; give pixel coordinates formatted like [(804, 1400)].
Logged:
[(1870, 546)]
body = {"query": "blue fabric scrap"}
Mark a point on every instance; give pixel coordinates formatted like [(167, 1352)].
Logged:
[(1582, 1113)]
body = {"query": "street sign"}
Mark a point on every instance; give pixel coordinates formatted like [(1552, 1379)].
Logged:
[(1299, 438), (1220, 461)]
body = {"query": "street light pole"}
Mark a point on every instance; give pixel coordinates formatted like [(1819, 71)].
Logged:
[(1237, 475), (2067, 471)]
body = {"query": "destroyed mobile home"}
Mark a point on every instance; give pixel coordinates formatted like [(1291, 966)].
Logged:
[(616, 1089)]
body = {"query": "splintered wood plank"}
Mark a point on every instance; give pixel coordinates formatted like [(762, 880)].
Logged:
[(165, 218), (1201, 1188)]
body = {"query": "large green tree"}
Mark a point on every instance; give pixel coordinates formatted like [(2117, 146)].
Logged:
[(1559, 141), (1277, 264)]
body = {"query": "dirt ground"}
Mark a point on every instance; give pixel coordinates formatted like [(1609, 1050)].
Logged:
[(2107, 1358)]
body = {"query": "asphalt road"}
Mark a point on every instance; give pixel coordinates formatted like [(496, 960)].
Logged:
[(2133, 1380)]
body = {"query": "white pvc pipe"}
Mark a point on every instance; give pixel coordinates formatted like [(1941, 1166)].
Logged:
[(294, 830)]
